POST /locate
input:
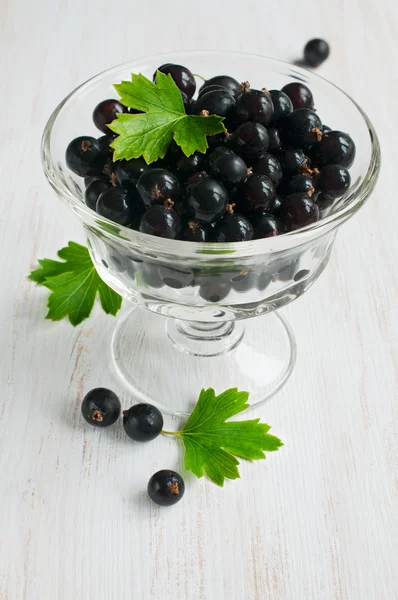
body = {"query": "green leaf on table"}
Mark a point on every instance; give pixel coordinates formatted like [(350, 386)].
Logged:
[(163, 119), (74, 283), (212, 445)]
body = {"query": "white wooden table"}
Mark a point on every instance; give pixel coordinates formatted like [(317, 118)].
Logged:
[(318, 520)]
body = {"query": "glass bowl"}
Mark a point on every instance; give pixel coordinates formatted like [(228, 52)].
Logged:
[(207, 319)]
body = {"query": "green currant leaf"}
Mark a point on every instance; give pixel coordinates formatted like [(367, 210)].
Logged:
[(163, 119), (212, 444), (74, 284)]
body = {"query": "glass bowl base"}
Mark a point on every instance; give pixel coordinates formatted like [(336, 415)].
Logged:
[(165, 363)]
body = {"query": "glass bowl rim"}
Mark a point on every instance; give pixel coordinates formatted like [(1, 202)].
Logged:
[(353, 200)]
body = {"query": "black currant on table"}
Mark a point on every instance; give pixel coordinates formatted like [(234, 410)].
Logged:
[(101, 407), (142, 422), (316, 51), (105, 112), (166, 487)]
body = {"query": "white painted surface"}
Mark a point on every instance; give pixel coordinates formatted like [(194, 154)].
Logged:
[(316, 521)]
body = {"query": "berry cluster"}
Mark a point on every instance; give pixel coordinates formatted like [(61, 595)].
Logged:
[(142, 422), (277, 169)]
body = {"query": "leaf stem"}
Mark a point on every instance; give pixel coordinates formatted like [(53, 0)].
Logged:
[(164, 432), (200, 76)]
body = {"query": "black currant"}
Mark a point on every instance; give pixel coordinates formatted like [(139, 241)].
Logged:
[(213, 288), (211, 88), (229, 83), (316, 52), (105, 141), (276, 144), (303, 127), (250, 140), (188, 165), (85, 157), (175, 278), (142, 422), (182, 76), (266, 225), (101, 407), (253, 105), (229, 168), (282, 106), (299, 94), (324, 202), (232, 228), (166, 488), (244, 281), (268, 165), (333, 180), (303, 184), (127, 171), (161, 221), (150, 275), (197, 232), (256, 194), (105, 112), (294, 161), (206, 200), (335, 148), (217, 102), (217, 152), (274, 205), (116, 204), (157, 185), (94, 190), (298, 210)]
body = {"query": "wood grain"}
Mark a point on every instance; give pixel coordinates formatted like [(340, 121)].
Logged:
[(316, 521)]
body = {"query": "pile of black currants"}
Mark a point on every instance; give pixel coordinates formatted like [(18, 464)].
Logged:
[(277, 169)]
